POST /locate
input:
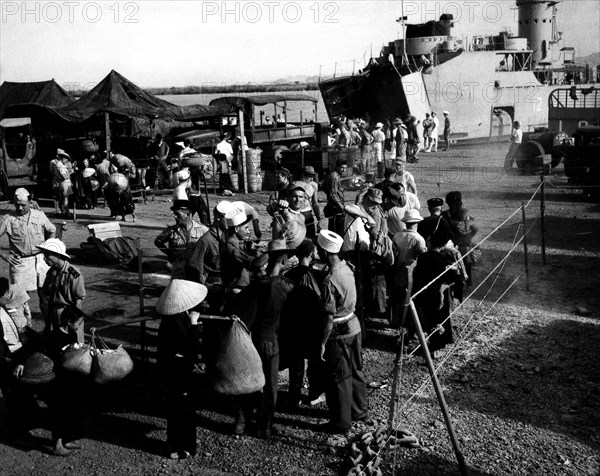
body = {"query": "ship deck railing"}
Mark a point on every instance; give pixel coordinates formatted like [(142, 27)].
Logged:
[(564, 98)]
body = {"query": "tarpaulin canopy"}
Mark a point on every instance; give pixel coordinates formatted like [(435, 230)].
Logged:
[(118, 95), (45, 93), (245, 102), (15, 122)]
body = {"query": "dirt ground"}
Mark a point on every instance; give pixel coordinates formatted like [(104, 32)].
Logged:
[(522, 380)]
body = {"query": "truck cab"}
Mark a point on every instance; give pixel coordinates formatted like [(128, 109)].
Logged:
[(582, 163)]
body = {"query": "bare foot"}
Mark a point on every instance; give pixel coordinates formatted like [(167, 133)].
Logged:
[(59, 449), (71, 445)]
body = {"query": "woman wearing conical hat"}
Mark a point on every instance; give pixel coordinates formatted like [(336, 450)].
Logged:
[(178, 354)]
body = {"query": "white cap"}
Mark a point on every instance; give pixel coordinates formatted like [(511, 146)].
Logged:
[(248, 209), (446, 112), (21, 193), (379, 125), (412, 216), (330, 241), (55, 246), (235, 217), (224, 206)]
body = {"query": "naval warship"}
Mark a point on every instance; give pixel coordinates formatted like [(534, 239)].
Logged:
[(485, 82)]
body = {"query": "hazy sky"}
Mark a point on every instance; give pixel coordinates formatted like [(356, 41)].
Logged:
[(178, 43)]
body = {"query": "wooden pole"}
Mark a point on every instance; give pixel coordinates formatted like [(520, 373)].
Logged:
[(242, 161), (395, 378), (107, 132), (526, 258), (542, 218), (214, 167), (143, 345), (438, 391)]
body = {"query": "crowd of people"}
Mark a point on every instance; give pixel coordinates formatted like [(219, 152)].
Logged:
[(388, 140), (79, 182), (307, 297)]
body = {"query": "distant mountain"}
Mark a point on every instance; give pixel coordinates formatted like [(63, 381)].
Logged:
[(303, 79), (593, 59)]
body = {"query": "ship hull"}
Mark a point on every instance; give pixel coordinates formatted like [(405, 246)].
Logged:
[(482, 101)]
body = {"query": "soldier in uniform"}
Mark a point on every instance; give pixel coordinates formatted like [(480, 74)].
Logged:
[(341, 346), (235, 262), (177, 241), (64, 285), (26, 228)]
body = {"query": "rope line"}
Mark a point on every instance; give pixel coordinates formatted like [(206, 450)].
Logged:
[(500, 271), (461, 338), (479, 244), (500, 263)]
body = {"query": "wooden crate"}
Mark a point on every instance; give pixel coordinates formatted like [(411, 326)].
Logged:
[(105, 230)]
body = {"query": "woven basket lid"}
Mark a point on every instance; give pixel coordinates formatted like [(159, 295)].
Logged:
[(180, 295), (38, 369)]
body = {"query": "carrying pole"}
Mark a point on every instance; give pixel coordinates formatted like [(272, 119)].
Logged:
[(542, 218), (525, 256), (143, 344), (242, 161), (214, 170), (438, 391)]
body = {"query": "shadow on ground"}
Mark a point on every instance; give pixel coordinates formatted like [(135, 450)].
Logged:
[(546, 376)]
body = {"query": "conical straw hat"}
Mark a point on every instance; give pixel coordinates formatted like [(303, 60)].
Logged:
[(180, 295)]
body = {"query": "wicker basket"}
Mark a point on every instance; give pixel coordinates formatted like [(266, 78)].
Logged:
[(117, 182)]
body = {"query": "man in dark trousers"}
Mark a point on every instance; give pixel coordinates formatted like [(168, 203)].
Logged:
[(177, 352), (447, 130), (435, 223), (260, 306), (341, 347), (299, 334), (332, 186)]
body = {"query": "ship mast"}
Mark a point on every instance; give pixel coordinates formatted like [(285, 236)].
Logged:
[(402, 20)]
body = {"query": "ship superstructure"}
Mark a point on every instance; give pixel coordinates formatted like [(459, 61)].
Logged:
[(485, 82)]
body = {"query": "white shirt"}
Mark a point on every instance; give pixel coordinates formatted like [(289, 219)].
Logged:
[(412, 201), (394, 220), (517, 136), (408, 180), (378, 136), (225, 148), (11, 333), (436, 125), (352, 227), (186, 151)]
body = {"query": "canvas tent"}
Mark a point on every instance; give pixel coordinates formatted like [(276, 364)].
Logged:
[(115, 94), (44, 93)]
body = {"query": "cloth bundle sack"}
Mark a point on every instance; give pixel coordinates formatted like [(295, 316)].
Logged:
[(117, 182), (77, 358), (38, 369), (238, 369), (109, 365), (293, 233), (383, 247)]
